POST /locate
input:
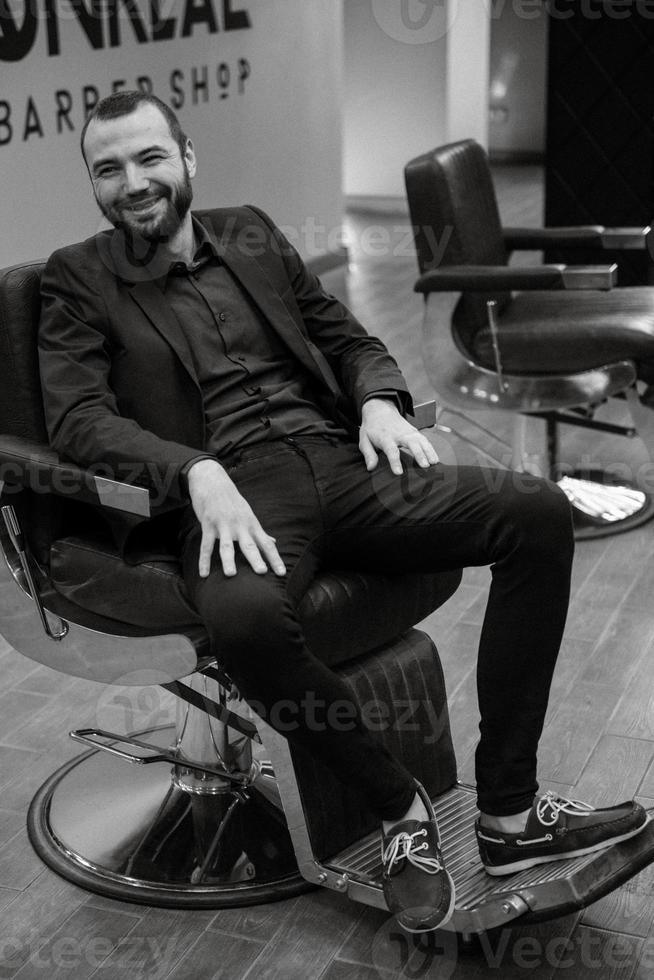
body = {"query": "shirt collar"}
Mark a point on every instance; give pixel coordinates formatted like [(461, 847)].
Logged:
[(205, 244), (205, 251)]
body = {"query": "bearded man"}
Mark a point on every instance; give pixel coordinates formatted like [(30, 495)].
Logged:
[(197, 349)]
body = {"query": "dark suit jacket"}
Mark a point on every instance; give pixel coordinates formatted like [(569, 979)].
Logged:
[(118, 381)]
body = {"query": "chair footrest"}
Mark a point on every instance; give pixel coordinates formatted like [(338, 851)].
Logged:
[(484, 902)]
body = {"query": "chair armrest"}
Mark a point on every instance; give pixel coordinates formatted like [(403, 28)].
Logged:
[(493, 278), (580, 236), (25, 464)]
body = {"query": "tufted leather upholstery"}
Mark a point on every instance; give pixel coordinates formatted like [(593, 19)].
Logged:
[(402, 692), (344, 614)]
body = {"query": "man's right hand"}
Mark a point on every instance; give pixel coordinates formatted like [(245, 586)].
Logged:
[(225, 516)]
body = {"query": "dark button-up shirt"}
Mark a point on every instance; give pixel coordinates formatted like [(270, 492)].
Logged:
[(253, 387)]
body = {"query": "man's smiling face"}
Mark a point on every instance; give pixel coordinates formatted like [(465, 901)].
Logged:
[(141, 178)]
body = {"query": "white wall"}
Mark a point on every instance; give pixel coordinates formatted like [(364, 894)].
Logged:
[(468, 58), (416, 75), (518, 80), (275, 140), (395, 98)]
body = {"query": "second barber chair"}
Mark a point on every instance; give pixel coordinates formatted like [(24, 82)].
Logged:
[(537, 341)]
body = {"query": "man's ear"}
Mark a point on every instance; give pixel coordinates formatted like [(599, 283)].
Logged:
[(189, 157)]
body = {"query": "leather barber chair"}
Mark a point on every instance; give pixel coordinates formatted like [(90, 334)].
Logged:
[(546, 341), (218, 809)]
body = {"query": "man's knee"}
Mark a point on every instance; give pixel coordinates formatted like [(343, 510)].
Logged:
[(245, 614), (539, 514)]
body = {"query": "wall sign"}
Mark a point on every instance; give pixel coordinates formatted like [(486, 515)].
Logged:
[(102, 24), (99, 20), (256, 84)]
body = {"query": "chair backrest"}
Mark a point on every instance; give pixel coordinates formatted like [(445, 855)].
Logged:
[(456, 221), (21, 404)]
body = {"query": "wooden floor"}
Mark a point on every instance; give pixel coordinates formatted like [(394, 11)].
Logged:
[(599, 741)]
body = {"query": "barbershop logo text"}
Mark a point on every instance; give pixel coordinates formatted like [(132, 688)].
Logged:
[(36, 25), (99, 21)]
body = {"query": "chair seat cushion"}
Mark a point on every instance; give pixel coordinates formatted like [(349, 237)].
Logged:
[(554, 331), (344, 614)]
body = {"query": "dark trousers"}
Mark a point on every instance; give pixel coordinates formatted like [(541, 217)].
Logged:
[(325, 510)]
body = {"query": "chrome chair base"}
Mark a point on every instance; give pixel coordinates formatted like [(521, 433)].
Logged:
[(132, 833), (604, 505)]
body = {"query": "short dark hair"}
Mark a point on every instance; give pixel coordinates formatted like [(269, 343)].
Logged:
[(123, 103)]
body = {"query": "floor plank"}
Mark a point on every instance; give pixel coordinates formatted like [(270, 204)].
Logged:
[(209, 959), (154, 945), (78, 946), (593, 953), (615, 770)]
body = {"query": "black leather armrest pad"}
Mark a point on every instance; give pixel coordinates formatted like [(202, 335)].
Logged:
[(490, 278), (482, 278), (37, 466), (579, 236)]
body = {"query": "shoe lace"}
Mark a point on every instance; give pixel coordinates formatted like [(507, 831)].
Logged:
[(404, 846), (550, 806)]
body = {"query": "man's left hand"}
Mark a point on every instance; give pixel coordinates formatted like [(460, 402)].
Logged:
[(383, 429)]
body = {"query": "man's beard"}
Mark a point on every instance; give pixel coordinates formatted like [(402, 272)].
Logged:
[(159, 230)]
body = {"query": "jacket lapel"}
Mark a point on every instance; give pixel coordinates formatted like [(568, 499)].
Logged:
[(151, 300), (139, 274)]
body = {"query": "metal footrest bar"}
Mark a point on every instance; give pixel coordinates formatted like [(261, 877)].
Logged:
[(211, 707), (106, 742)]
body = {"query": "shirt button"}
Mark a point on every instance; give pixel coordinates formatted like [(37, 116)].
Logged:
[(222, 317), (265, 423)]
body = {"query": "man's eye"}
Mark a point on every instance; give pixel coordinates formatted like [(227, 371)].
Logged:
[(106, 172), (152, 158)]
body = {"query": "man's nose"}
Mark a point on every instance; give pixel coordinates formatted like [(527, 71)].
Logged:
[(135, 179)]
